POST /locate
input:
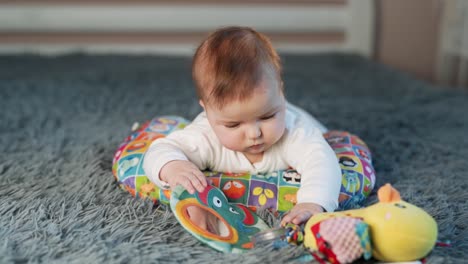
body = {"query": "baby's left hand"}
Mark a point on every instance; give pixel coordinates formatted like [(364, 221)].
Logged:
[(301, 212)]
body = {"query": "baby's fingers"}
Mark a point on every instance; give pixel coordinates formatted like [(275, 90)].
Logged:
[(191, 181), (296, 217), (187, 184), (287, 219), (201, 178), (196, 182), (301, 218), (197, 178)]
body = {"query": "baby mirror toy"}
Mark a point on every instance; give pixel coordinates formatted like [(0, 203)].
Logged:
[(226, 227)]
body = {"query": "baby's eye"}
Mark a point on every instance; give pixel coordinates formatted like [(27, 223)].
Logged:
[(233, 125), (268, 117)]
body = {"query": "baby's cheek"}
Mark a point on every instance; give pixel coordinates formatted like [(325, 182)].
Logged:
[(275, 131), (230, 141)]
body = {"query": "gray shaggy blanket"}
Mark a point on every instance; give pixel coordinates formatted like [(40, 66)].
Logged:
[(62, 118)]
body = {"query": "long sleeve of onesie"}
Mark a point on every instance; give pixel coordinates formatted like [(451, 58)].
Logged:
[(307, 151), (303, 148), (190, 144)]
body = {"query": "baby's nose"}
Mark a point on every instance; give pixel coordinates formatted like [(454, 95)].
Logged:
[(255, 131)]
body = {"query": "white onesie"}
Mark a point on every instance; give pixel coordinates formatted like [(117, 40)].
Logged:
[(302, 147)]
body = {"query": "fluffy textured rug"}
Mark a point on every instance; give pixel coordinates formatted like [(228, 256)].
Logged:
[(62, 118)]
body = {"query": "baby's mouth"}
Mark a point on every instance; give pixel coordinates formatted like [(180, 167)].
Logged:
[(256, 146)]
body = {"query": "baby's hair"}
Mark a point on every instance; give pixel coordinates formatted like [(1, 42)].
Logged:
[(231, 62)]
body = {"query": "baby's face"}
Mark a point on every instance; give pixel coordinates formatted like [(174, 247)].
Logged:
[(253, 125)]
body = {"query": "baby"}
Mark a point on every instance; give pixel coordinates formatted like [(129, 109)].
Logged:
[(246, 125)]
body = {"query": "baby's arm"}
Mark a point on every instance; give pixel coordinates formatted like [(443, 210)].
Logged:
[(177, 159), (309, 153), (185, 173)]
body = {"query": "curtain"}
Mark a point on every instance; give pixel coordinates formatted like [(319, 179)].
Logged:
[(453, 45)]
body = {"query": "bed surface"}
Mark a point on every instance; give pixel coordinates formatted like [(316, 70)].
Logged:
[(62, 118)]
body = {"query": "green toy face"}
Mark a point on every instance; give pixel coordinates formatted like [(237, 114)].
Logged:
[(228, 227)]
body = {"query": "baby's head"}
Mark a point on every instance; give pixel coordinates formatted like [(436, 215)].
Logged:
[(237, 74)]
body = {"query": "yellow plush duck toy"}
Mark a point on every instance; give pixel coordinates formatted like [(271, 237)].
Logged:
[(390, 230)]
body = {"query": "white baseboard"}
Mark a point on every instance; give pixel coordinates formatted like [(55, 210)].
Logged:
[(170, 18), (162, 49), (354, 20)]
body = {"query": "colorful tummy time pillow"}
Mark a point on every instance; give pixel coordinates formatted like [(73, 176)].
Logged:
[(275, 190)]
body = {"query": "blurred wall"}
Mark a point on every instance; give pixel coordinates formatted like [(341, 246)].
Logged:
[(407, 35), (177, 26), (452, 66), (406, 31)]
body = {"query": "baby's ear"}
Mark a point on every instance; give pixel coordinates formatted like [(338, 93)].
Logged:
[(201, 104)]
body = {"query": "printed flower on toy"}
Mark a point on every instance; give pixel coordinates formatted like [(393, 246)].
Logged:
[(263, 194)]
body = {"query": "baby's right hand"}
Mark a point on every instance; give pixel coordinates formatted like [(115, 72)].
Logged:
[(185, 173)]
